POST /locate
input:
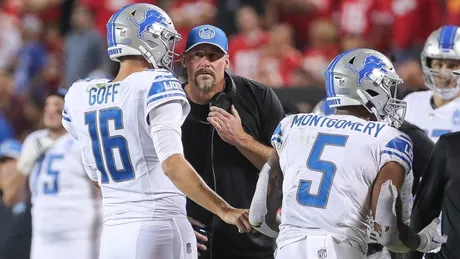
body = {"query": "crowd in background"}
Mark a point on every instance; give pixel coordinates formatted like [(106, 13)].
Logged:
[(46, 44)]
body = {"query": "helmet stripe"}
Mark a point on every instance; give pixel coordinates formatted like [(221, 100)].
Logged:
[(112, 24), (330, 90), (447, 37)]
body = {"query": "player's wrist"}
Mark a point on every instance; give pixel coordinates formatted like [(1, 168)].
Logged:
[(224, 208), (422, 241)]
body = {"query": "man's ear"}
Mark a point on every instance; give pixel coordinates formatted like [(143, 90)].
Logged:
[(227, 62), (182, 61)]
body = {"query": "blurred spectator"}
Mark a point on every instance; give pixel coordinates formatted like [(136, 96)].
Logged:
[(11, 106), (52, 72), (279, 58), (15, 237), (414, 20), (103, 10), (453, 11), (365, 24), (32, 55), (323, 47), (411, 72), (187, 14), (10, 39), (227, 12), (299, 14), (245, 46), (84, 47)]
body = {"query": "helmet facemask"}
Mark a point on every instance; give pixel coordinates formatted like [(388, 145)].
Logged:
[(153, 52), (383, 102)]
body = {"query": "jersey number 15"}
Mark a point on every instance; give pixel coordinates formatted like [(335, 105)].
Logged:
[(104, 144), (327, 168)]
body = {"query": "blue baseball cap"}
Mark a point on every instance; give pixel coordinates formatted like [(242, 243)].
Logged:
[(207, 34), (10, 148)]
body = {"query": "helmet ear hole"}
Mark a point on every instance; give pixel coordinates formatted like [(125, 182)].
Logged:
[(372, 92)]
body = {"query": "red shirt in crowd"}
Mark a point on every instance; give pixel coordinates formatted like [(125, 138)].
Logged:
[(244, 51), (104, 9)]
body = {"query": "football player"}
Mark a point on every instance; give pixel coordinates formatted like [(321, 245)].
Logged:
[(66, 211), (437, 110), (129, 130), (331, 173)]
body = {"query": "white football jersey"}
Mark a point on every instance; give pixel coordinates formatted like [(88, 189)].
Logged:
[(65, 202), (110, 120), (329, 165), (435, 122)]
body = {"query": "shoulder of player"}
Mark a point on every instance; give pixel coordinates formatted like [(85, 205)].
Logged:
[(416, 96), (151, 75), (88, 81), (82, 85), (36, 134), (389, 133), (154, 81)]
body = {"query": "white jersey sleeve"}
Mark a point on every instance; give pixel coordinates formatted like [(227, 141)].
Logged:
[(396, 147), (67, 122), (278, 134), (163, 87)]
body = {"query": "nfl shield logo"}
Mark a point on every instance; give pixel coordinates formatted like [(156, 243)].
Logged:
[(189, 248), (322, 253)]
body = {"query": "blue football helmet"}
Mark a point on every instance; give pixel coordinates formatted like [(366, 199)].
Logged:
[(365, 77), (443, 43)]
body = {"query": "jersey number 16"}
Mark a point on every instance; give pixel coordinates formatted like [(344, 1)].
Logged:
[(104, 144), (327, 168)]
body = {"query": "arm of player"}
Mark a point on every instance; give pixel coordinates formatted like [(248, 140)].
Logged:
[(395, 162), (67, 121), (35, 145), (427, 204), (165, 121), (387, 208), (267, 198)]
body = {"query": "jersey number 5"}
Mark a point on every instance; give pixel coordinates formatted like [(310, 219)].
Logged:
[(327, 168), (103, 144)]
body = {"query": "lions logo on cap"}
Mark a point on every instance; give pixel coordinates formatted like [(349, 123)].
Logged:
[(207, 33)]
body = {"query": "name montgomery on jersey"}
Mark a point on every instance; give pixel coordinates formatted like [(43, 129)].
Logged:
[(371, 128)]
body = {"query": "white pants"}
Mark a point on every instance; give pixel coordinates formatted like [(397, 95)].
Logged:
[(78, 248), (156, 239), (319, 247)]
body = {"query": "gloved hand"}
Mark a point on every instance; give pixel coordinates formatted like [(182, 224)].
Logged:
[(430, 238), (31, 152)]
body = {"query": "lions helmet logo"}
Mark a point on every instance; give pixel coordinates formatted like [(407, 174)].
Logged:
[(371, 63), (151, 17)]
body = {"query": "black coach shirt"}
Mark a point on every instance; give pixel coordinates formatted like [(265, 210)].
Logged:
[(226, 170), (440, 190), (423, 146)]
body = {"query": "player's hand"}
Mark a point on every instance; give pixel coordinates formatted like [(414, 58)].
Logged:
[(227, 125), (201, 239), (239, 218), (31, 152), (430, 238)]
